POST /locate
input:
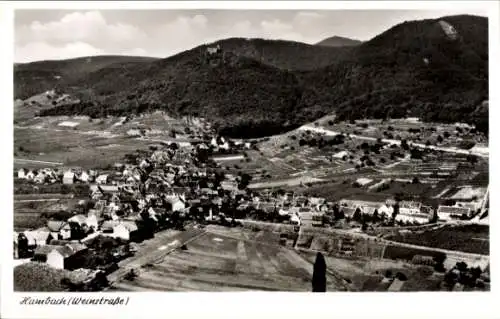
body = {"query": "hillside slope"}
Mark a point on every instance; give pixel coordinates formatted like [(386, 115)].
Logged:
[(40, 76), (435, 69), (241, 96), (287, 55), (337, 41), (413, 69)]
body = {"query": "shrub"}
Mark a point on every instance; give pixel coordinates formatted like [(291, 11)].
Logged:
[(34, 276)]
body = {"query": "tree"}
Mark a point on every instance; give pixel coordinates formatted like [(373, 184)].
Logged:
[(319, 274), (461, 266), (471, 159), (415, 180), (244, 181), (401, 276), (404, 145), (435, 217), (364, 226), (440, 139), (357, 215)]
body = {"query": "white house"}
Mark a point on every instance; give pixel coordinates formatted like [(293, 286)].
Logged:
[(412, 218), (178, 204), (225, 146), (295, 219), (102, 179), (341, 154), (213, 142), (84, 177), (68, 177), (92, 221), (56, 258), (21, 173), (386, 210), (124, 230)]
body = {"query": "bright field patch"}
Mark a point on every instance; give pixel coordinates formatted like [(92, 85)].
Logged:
[(214, 262)]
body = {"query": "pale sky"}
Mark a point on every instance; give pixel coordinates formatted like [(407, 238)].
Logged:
[(62, 34)]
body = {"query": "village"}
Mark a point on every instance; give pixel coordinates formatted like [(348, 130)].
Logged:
[(178, 185)]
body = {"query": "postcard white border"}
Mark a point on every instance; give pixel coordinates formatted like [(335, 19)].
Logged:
[(236, 305)]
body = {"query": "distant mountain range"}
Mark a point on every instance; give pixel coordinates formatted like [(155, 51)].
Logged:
[(337, 41), (436, 69)]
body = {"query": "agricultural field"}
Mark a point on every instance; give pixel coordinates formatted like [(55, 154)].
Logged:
[(33, 211), (214, 262), (28, 220), (466, 238), (89, 143), (369, 274)]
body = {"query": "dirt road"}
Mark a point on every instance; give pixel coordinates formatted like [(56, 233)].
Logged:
[(21, 160)]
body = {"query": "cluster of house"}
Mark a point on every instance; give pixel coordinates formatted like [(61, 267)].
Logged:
[(299, 210), (57, 175), (409, 211), (51, 244), (164, 184)]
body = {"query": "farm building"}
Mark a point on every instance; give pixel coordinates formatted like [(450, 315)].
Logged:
[(68, 177), (448, 213)]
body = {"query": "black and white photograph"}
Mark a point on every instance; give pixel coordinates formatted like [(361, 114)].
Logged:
[(261, 150)]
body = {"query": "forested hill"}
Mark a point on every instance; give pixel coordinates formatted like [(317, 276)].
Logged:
[(435, 69)]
